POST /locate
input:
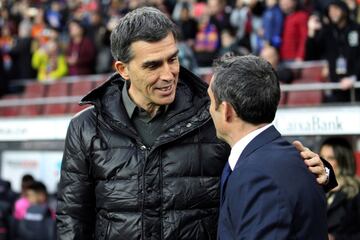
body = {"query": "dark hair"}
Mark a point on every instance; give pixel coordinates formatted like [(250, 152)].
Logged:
[(340, 4), (346, 174), (26, 181), (249, 84), (142, 24), (343, 153), (79, 23), (38, 187)]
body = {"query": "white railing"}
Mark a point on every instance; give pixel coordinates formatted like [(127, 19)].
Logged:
[(201, 72)]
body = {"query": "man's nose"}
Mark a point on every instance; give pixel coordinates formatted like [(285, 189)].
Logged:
[(166, 72)]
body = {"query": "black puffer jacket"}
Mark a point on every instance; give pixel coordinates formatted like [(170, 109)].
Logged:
[(170, 191)]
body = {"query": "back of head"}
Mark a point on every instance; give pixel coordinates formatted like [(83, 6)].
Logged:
[(250, 85), (142, 24)]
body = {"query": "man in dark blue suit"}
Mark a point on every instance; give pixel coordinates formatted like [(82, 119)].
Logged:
[(267, 192)]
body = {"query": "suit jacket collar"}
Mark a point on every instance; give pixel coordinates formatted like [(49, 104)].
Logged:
[(260, 140)]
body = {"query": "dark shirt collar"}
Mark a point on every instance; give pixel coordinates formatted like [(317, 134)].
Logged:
[(132, 108)]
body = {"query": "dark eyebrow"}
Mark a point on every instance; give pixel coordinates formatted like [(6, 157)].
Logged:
[(158, 62), (175, 54)]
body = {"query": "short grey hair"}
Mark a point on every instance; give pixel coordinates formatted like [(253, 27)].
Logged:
[(142, 24), (249, 84)]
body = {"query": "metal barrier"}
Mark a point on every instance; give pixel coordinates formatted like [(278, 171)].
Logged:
[(323, 86)]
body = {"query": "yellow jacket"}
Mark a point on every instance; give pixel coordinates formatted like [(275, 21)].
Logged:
[(41, 61)]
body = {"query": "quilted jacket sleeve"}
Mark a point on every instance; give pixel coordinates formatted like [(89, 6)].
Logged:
[(76, 205)]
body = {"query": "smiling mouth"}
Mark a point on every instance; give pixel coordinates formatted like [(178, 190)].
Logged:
[(164, 89)]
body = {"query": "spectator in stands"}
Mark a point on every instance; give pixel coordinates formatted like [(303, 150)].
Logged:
[(127, 160), (270, 54), (343, 201), (39, 29), (240, 20), (353, 10), (22, 50), (81, 52), (256, 11), (100, 32), (272, 25), (338, 43), (49, 61), (229, 44), (55, 15), (22, 204), (5, 220), (6, 46), (207, 41), (187, 25), (6, 193), (39, 221), (294, 31), (3, 79)]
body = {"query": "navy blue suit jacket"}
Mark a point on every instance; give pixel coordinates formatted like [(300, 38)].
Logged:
[(271, 194)]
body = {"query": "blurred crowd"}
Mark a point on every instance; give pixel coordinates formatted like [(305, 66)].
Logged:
[(28, 215), (50, 39)]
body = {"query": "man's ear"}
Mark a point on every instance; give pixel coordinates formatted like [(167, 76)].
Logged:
[(229, 113), (122, 69)]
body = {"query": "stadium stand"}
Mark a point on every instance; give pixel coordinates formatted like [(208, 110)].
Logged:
[(9, 111), (56, 89), (32, 90), (305, 73), (303, 98), (79, 88)]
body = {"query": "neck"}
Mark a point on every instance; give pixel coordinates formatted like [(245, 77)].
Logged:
[(241, 131), (150, 108)]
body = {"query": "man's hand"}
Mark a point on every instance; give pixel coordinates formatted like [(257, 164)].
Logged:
[(313, 161)]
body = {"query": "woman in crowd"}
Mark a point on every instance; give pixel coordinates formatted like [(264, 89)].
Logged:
[(343, 201)]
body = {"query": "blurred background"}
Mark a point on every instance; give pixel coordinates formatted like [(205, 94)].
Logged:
[(54, 52)]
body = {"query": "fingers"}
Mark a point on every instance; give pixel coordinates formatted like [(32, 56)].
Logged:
[(322, 180), (298, 145), (320, 174), (314, 161), (305, 152)]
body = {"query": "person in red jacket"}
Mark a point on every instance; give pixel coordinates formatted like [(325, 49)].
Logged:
[(294, 31), (81, 51)]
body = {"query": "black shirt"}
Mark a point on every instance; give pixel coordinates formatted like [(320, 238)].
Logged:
[(148, 128)]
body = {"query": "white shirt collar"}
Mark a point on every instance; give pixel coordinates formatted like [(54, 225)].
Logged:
[(240, 145)]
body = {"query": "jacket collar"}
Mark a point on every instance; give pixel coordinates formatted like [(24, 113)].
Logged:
[(191, 98), (268, 135)]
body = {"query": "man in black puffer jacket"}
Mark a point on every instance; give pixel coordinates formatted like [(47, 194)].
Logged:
[(144, 162)]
